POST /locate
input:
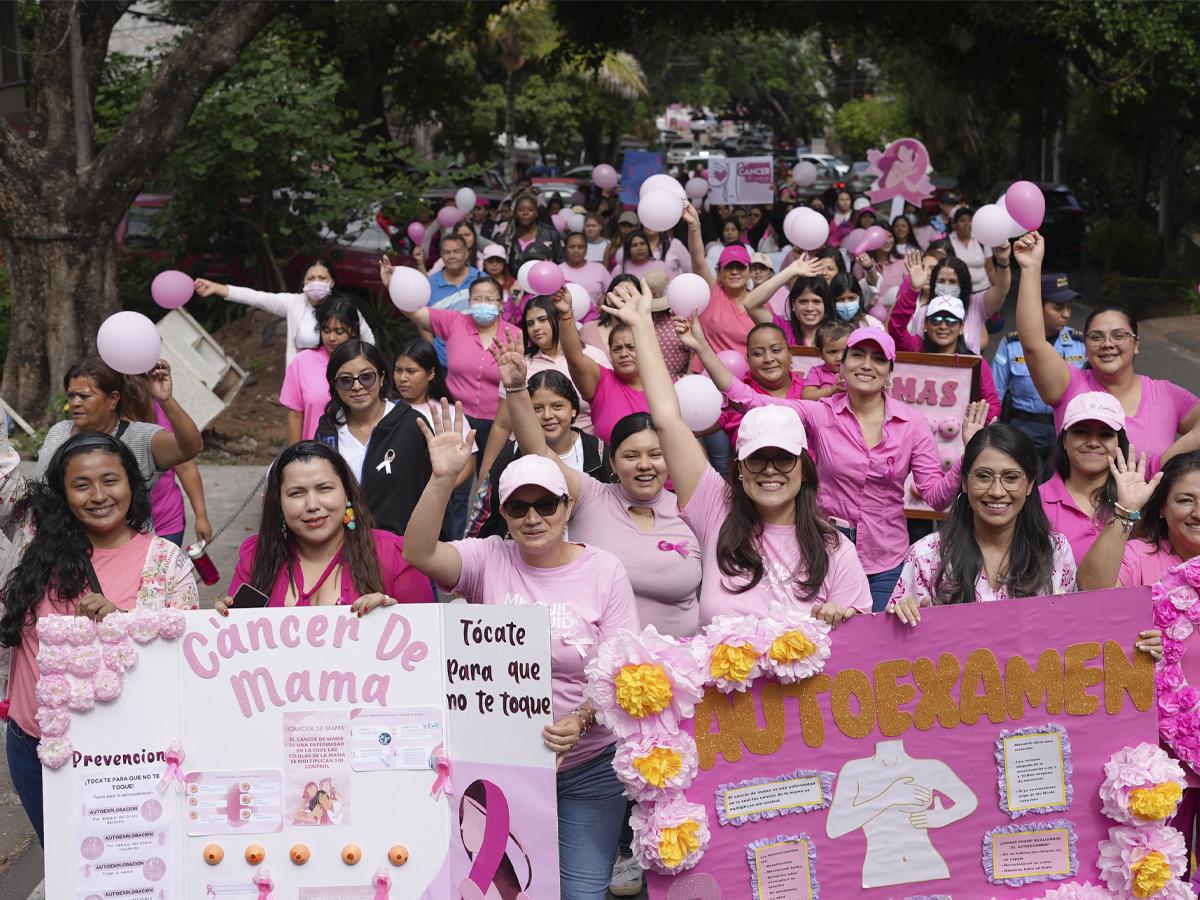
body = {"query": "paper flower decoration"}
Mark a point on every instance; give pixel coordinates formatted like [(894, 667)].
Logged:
[(1176, 610), (53, 629), (112, 629), (143, 624), (654, 766), (670, 836), (799, 644), (82, 697), (1085, 891), (53, 722), (85, 661), (1142, 861), (80, 630), (734, 647), (171, 623), (54, 752), (53, 691), (643, 685), (53, 659), (106, 685), (1142, 785)]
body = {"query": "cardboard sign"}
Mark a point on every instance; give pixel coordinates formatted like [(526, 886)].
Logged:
[(311, 727), (903, 170), (636, 167), (939, 386), (746, 179), (922, 733)]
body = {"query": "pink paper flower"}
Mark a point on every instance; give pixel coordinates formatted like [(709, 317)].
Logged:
[(1190, 571), (53, 691), (734, 648), (85, 661), (53, 722), (53, 629), (82, 697), (799, 644), (1121, 855), (651, 768), (171, 623), (669, 836), (119, 657), (52, 659), (1178, 721), (107, 685), (112, 628), (1085, 891), (142, 624), (1140, 780), (81, 630), (54, 752)]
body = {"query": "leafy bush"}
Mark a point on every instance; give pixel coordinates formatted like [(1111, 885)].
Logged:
[(1126, 245)]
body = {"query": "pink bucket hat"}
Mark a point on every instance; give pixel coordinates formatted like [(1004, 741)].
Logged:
[(1094, 406)]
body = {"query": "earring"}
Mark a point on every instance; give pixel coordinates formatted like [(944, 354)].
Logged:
[(348, 518)]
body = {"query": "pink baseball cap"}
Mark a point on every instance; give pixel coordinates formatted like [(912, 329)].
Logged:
[(494, 251), (734, 253), (874, 336), (770, 426), (532, 470), (1094, 406)]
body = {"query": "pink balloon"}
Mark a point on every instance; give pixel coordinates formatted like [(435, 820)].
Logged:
[(605, 177), (735, 363), (699, 401), (449, 216), (416, 232), (804, 174), (172, 289), (687, 294), (129, 342), (409, 289), (990, 225), (1025, 204), (806, 228), (873, 239), (661, 182), (581, 300), (696, 188), (853, 239), (523, 275), (559, 220), (545, 278), (660, 210)]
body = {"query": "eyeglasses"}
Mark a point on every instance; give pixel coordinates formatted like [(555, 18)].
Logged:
[(944, 319), (1010, 479), (1119, 336), (780, 462), (519, 509), (366, 379)]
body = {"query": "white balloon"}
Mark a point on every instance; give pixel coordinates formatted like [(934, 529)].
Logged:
[(991, 225), (699, 401), (806, 228), (465, 200), (523, 275), (688, 293), (581, 300), (129, 343), (805, 173), (662, 182), (409, 289), (575, 222), (696, 188), (660, 210)]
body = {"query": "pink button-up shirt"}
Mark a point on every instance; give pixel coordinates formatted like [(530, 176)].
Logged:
[(866, 486), (471, 372), (1065, 516)]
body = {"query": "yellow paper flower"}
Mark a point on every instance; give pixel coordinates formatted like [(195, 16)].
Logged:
[(1151, 804), (1150, 874), (677, 844), (791, 646), (642, 689), (733, 663), (659, 766)]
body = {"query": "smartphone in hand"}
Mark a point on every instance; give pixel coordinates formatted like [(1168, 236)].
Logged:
[(248, 597)]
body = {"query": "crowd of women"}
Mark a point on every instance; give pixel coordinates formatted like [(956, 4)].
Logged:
[(516, 449)]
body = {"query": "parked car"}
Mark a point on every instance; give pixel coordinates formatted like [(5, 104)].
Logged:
[(839, 165), (583, 173), (1065, 224), (858, 179), (678, 151)]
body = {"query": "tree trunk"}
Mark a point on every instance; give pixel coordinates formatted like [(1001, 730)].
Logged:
[(510, 140)]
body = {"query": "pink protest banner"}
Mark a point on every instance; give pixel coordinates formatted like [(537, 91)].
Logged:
[(745, 179), (903, 170), (964, 757), (936, 385)]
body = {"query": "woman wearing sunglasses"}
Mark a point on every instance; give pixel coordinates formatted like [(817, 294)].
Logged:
[(1155, 410), (378, 438), (590, 599)]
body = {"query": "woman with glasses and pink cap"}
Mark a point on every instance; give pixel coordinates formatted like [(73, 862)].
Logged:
[(762, 538), (867, 444), (1155, 410), (590, 599)]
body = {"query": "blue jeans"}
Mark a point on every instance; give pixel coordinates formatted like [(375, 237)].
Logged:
[(717, 446), (176, 538), (591, 808), (25, 769), (882, 584), (460, 500)]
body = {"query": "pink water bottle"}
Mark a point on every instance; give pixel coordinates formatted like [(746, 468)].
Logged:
[(204, 565)]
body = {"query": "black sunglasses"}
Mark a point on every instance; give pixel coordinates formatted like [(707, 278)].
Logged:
[(944, 319), (366, 379), (781, 462), (519, 509)]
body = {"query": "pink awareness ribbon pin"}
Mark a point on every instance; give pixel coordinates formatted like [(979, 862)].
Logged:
[(173, 771), (440, 763), (681, 548), (265, 884), (383, 884)]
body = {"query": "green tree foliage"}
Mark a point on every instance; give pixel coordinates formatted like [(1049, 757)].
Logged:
[(870, 122)]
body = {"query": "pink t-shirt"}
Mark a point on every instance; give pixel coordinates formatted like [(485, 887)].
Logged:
[(592, 276), (1145, 564), (400, 580), (820, 376), (147, 571), (614, 400), (663, 564), (305, 388), (166, 498), (785, 324), (1065, 516), (540, 362), (589, 599), (725, 324), (471, 372), (731, 417), (845, 581), (1160, 413)]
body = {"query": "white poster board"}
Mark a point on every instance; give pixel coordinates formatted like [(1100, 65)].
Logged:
[(743, 179), (308, 733)]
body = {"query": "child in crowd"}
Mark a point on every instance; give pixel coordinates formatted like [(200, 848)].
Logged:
[(822, 380)]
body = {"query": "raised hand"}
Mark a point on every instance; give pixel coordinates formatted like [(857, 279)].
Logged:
[(975, 420), (449, 448), (690, 216), (507, 350), (629, 304), (917, 276), (160, 381), (206, 288), (1030, 250), (562, 304), (690, 333), (1002, 253), (1129, 476), (804, 266), (385, 270), (865, 260)]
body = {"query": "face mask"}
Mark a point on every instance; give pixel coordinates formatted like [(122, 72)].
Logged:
[(316, 291), (847, 311), (945, 290), (483, 313)]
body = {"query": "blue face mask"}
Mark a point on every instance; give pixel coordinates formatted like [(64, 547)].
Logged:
[(848, 310), (483, 313)]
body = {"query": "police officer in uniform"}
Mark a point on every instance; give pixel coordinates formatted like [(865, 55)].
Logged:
[(1022, 407)]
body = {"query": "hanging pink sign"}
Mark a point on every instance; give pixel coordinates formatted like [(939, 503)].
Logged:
[(903, 170)]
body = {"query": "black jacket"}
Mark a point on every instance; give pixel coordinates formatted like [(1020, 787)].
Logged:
[(546, 245), (391, 498)]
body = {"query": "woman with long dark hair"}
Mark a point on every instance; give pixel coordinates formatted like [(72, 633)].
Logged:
[(636, 258), (89, 551), (949, 277), (305, 390), (317, 544), (809, 302), (762, 538), (529, 237), (726, 318)]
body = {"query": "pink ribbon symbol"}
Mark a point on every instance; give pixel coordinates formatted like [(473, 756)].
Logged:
[(486, 829), (440, 763), (174, 758), (681, 548), (265, 884), (383, 884)]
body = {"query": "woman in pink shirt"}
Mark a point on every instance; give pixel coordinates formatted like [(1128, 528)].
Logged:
[(305, 390), (725, 319), (809, 302), (761, 535), (769, 364), (316, 544), (1155, 411), (91, 554), (867, 444), (590, 599), (591, 276), (635, 258)]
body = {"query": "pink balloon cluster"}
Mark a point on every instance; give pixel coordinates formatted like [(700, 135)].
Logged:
[(806, 228)]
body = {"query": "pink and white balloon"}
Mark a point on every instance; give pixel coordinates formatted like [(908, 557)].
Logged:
[(661, 182), (605, 177), (449, 216), (1016, 230), (523, 275), (581, 300), (991, 225), (660, 210), (735, 363), (873, 238), (687, 294), (1026, 204), (559, 221), (409, 289), (805, 174), (464, 200), (545, 278), (696, 189), (172, 289), (129, 343), (806, 228), (699, 401)]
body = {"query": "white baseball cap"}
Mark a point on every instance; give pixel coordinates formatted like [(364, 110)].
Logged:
[(952, 305)]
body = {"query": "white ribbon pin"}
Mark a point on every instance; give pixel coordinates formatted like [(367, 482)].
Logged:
[(386, 465)]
